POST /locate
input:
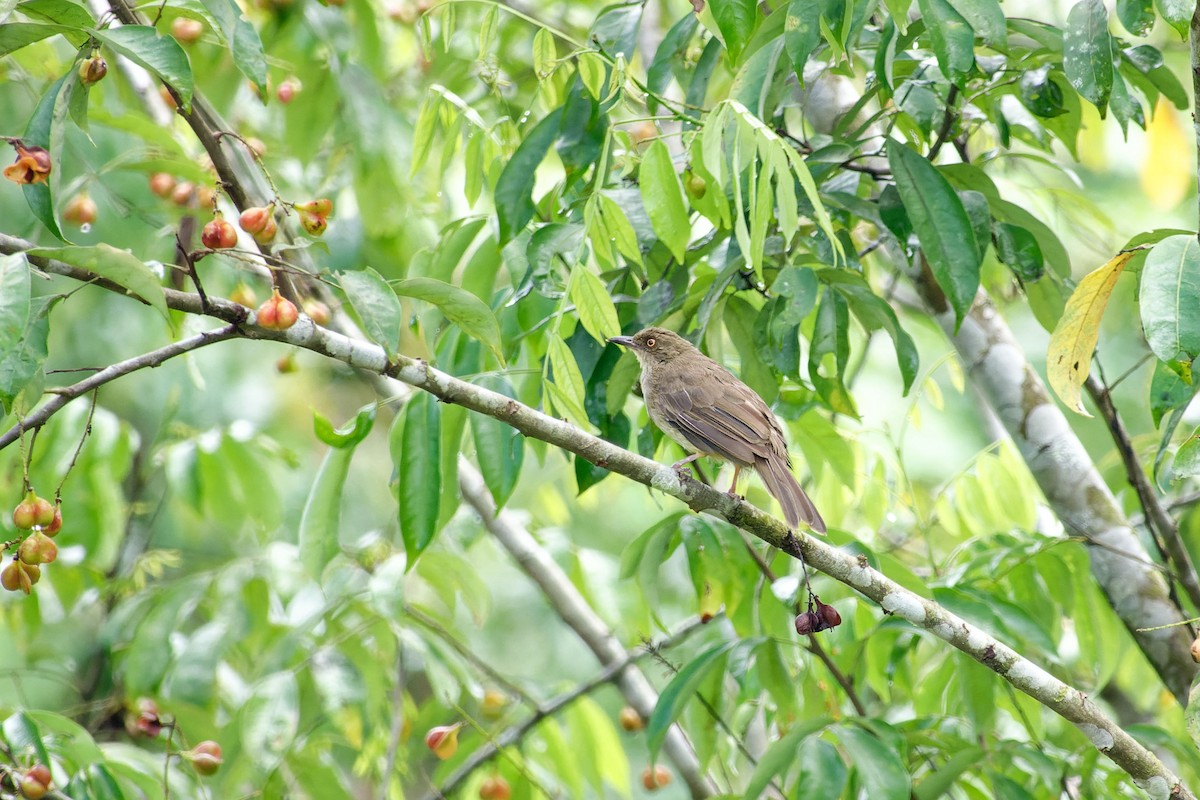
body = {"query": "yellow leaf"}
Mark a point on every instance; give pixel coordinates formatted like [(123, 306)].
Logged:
[(1069, 357), (1167, 146)]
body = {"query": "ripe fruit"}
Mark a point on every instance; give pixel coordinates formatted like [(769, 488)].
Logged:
[(319, 312), (32, 165), (443, 740), (254, 219), (38, 549), (33, 512), (288, 90), (81, 210), (40, 773), (92, 70), (322, 207), (314, 224), (183, 193), (55, 525), (286, 364), (143, 719), (32, 788), (10, 576), (162, 184), (277, 313), (807, 623), (630, 719), (205, 757), (187, 30), (656, 778), (829, 615), (219, 233), (495, 787)]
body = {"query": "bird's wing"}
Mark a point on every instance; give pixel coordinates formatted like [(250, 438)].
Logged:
[(722, 416)]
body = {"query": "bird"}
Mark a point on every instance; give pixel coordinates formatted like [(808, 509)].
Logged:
[(709, 412)]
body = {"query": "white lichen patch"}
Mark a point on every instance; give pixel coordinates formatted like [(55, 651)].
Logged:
[(905, 605), (977, 640), (1157, 787), (666, 481), (1102, 739), (1034, 678), (859, 576), (943, 630)]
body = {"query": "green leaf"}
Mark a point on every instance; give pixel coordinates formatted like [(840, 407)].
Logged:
[(874, 313), (1187, 459), (419, 473), (878, 766), (245, 46), (952, 39), (593, 72), (320, 522), (595, 308), (270, 719), (119, 266), (736, 20), (15, 303), (567, 378), (662, 194), (1088, 52), (1018, 249), (781, 757), (1168, 391), (45, 130), (16, 35), (514, 188), (499, 448), (545, 54), (1170, 293), (680, 690), (1177, 13), (942, 225), (617, 224), (822, 771), (22, 734), (461, 307), (673, 47), (376, 305), (986, 18), (1136, 15), (161, 55), (801, 32)]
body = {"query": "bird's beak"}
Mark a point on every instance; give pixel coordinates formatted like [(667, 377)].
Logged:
[(624, 341)]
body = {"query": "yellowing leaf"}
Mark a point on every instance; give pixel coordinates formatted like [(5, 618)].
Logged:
[(1167, 146), (1069, 357)]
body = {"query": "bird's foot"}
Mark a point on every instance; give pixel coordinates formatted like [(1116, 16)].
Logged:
[(733, 493), (791, 543)]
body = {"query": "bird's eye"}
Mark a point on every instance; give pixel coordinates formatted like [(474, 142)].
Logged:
[(651, 342)]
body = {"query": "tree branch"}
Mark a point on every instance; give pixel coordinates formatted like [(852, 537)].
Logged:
[(154, 358), (1067, 476), (1051, 452), (1157, 518), (576, 612)]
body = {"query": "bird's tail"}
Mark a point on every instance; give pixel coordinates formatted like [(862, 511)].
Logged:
[(783, 487)]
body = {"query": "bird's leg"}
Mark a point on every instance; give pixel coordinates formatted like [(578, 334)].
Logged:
[(733, 492), (680, 465)]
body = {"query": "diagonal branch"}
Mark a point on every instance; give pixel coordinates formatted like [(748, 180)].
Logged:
[(576, 612), (1073, 705), (154, 358), (1157, 518)]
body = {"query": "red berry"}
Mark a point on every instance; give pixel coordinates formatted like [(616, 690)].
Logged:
[(219, 234), (32, 788), (319, 312), (38, 549), (253, 220), (187, 30), (314, 224), (443, 740), (40, 773), (162, 184), (495, 787), (630, 719), (80, 210), (322, 207), (205, 757), (655, 779), (55, 525)]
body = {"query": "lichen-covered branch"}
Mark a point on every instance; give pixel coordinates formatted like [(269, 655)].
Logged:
[(1068, 478)]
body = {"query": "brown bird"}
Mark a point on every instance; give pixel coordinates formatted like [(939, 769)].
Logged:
[(703, 407)]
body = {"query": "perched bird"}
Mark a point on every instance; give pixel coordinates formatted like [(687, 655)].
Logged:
[(708, 411)]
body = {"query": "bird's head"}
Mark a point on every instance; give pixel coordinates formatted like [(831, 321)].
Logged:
[(655, 344)]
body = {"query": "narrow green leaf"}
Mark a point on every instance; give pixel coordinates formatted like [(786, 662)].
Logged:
[(952, 38), (424, 129), (545, 54), (418, 468), (942, 225), (1170, 292), (514, 189), (874, 313), (119, 266), (878, 766), (617, 223), (15, 303), (377, 306), (680, 690), (566, 372), (45, 130), (662, 194), (161, 55), (460, 307), (22, 734), (593, 304), (593, 72), (781, 757), (487, 30), (245, 46), (320, 522), (499, 448), (1088, 52), (736, 20), (16, 35), (801, 32), (942, 779), (672, 48)]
